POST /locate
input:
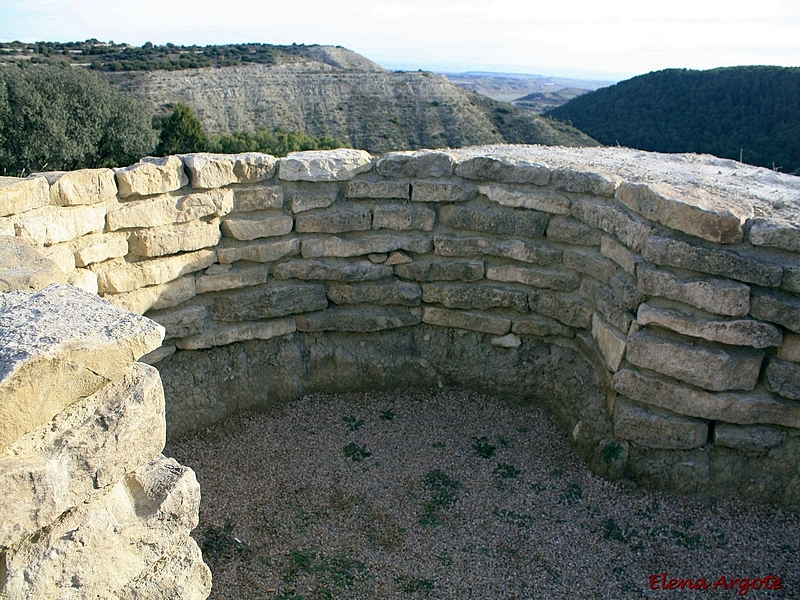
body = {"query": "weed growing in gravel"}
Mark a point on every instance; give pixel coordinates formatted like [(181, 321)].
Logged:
[(387, 415), (471, 549), (444, 559), (572, 494), (506, 471), (443, 493), (356, 452), (218, 542), (612, 531), (353, 424), (330, 574), (509, 516), (438, 445), (482, 447), (411, 585), (612, 452)]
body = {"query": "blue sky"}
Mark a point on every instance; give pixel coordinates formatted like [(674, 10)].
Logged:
[(606, 40)]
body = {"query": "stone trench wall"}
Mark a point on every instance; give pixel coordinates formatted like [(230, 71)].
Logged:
[(651, 302)]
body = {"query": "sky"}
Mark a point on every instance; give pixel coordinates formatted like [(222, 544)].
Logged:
[(609, 40)]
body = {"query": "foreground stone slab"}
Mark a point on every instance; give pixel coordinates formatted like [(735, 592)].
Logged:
[(23, 268), (372, 244), (19, 195), (416, 163), (85, 186), (151, 176), (132, 276), (320, 270), (166, 210), (229, 251), (657, 428), (544, 200), (268, 302), (222, 335), (504, 169), (440, 270), (217, 170), (470, 320), (89, 445), (402, 293), (539, 254), (185, 237), (475, 296), (61, 338), (355, 320), (331, 165), (541, 278)]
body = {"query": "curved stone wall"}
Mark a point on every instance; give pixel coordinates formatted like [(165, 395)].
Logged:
[(652, 302)]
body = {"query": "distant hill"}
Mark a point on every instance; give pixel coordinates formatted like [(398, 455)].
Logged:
[(752, 112)]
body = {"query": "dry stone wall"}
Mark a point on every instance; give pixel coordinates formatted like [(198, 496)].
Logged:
[(652, 302)]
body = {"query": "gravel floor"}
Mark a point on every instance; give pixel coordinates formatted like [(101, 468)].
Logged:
[(454, 495)]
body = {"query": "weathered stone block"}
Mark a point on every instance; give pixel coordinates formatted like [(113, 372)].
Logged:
[(626, 290), (306, 198), (790, 349), (601, 214), (182, 321), (612, 343), (229, 251), (21, 195), (222, 335), (504, 169), (791, 279), (591, 263), (783, 378), (657, 428), (165, 210), (403, 217), (371, 244), (572, 231), (170, 239), (509, 340), (61, 254), (397, 258), (475, 296), (261, 197), (83, 279), (597, 182), (604, 300), (393, 292), (100, 247), (336, 221), (53, 224), (208, 171), (441, 270), (61, 338), (438, 191), (361, 188), (563, 281), (712, 367), (125, 277), (539, 254), (776, 233), (419, 163), (540, 326), (268, 302), (470, 320), (23, 268), (568, 309), (321, 270), (755, 438), (85, 186), (777, 307), (238, 277), (151, 176), (355, 320), (155, 297), (619, 253), (256, 225), (738, 332), (509, 222), (714, 295), (159, 354), (545, 200), (328, 165)]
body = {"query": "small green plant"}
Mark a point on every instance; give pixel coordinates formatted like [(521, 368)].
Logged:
[(480, 550), (573, 493), (483, 447), (506, 471), (353, 424), (538, 487), (509, 516), (438, 445), (612, 531), (443, 493), (356, 452), (387, 415), (411, 585), (556, 472), (612, 452), (444, 559), (687, 541)]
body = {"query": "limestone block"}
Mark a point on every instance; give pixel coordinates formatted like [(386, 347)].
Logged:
[(85, 186), (481, 297), (656, 428), (150, 511), (619, 253), (166, 210), (777, 307), (87, 446), (601, 214), (675, 253), (19, 195), (151, 176), (566, 308), (182, 321), (131, 276), (572, 231), (268, 302), (159, 354), (416, 163), (23, 268), (586, 181), (100, 247), (180, 574), (545, 200), (734, 332), (744, 408), (690, 209), (170, 239), (402, 217), (208, 171), (791, 279), (238, 277), (440, 191), (222, 335), (470, 320), (7, 226), (605, 301), (563, 281), (336, 221), (402, 293), (539, 254), (612, 343), (155, 297), (229, 251), (321, 270), (508, 340), (309, 198), (718, 296), (83, 279), (540, 326), (361, 188), (325, 165), (53, 224), (370, 244), (626, 290), (591, 263), (754, 438), (261, 197), (776, 233), (379, 258), (355, 320), (397, 258), (504, 169), (790, 349), (783, 378), (256, 225), (489, 220), (441, 270), (61, 338), (62, 254), (712, 367)]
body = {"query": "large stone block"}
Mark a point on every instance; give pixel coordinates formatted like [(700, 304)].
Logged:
[(540, 326), (612, 343), (545, 200), (777, 307), (790, 349), (237, 277), (83, 279), (54, 224), (355, 320), (336, 221), (441, 270), (62, 254), (222, 335), (619, 253), (590, 262), (370, 244), (601, 214), (657, 428), (403, 293), (442, 191), (85, 186), (563, 281), (23, 268), (124, 277), (626, 290), (734, 332), (585, 181), (403, 217), (229, 251), (419, 163), (718, 296), (170, 239), (745, 408), (605, 301), (208, 171), (539, 254), (500, 221), (256, 225), (182, 321), (257, 197), (690, 209), (321, 270), (362, 188), (151, 176), (755, 438), (305, 197), (89, 445), (675, 253), (156, 297), (776, 233), (100, 247), (475, 296), (470, 320), (166, 210), (572, 231), (783, 378), (566, 308), (791, 279), (21, 195), (504, 169), (712, 367), (61, 338), (324, 165), (268, 302)]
